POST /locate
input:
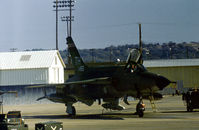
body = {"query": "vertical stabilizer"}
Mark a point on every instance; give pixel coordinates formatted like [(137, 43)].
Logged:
[(76, 59)]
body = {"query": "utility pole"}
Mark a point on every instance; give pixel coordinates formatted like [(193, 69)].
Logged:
[(70, 18), (63, 5), (140, 38), (140, 43), (56, 10), (70, 8)]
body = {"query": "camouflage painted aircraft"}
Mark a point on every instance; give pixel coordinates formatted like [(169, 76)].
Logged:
[(107, 83)]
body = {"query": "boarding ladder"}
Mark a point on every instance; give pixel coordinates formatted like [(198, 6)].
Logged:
[(151, 99)]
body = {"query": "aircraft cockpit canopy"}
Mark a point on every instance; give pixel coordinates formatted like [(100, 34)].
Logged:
[(133, 56), (132, 61)]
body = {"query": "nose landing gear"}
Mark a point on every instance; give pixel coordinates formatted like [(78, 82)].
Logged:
[(70, 109), (140, 108)]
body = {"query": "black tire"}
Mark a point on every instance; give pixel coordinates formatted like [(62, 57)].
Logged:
[(73, 111), (188, 109), (140, 113)]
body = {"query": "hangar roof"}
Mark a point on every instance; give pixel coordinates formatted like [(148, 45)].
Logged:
[(28, 59), (171, 63)]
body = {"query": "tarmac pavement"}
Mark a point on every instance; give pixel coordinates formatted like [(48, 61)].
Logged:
[(171, 115)]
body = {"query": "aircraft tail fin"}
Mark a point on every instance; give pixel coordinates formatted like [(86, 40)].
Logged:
[(76, 58)]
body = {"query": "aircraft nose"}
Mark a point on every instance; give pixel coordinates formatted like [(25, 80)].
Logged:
[(162, 82)]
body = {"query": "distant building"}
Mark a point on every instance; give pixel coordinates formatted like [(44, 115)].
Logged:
[(184, 71), (20, 69)]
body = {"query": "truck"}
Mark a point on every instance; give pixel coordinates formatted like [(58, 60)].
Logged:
[(12, 121), (191, 99)]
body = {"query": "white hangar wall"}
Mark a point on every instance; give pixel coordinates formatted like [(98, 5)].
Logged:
[(21, 69), (30, 68), (24, 77), (56, 71)]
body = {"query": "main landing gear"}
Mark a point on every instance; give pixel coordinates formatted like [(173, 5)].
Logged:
[(70, 109), (140, 108)]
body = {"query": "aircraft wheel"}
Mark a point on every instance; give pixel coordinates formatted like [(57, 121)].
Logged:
[(73, 111), (70, 110), (140, 108), (189, 108), (140, 113)]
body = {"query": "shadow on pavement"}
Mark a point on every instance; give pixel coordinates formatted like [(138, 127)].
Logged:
[(106, 116), (177, 111)]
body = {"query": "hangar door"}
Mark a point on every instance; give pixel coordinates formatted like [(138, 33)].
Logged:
[(23, 76)]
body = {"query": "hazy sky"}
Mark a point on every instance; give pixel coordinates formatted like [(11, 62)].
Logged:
[(28, 24)]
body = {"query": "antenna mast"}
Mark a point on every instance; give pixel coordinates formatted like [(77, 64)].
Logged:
[(140, 38)]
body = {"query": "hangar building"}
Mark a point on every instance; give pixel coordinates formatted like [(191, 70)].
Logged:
[(21, 69), (184, 71)]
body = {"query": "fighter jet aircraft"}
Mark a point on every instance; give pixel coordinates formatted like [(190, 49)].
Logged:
[(107, 83)]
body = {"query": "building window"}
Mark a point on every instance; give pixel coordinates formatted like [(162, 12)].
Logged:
[(25, 58)]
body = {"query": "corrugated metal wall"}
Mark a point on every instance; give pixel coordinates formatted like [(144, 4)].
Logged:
[(21, 69), (24, 76), (25, 96)]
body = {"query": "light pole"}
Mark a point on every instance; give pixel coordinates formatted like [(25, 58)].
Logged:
[(68, 19), (56, 10), (61, 5)]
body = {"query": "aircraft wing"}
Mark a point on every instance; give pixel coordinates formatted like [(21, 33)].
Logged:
[(102, 81), (45, 85)]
